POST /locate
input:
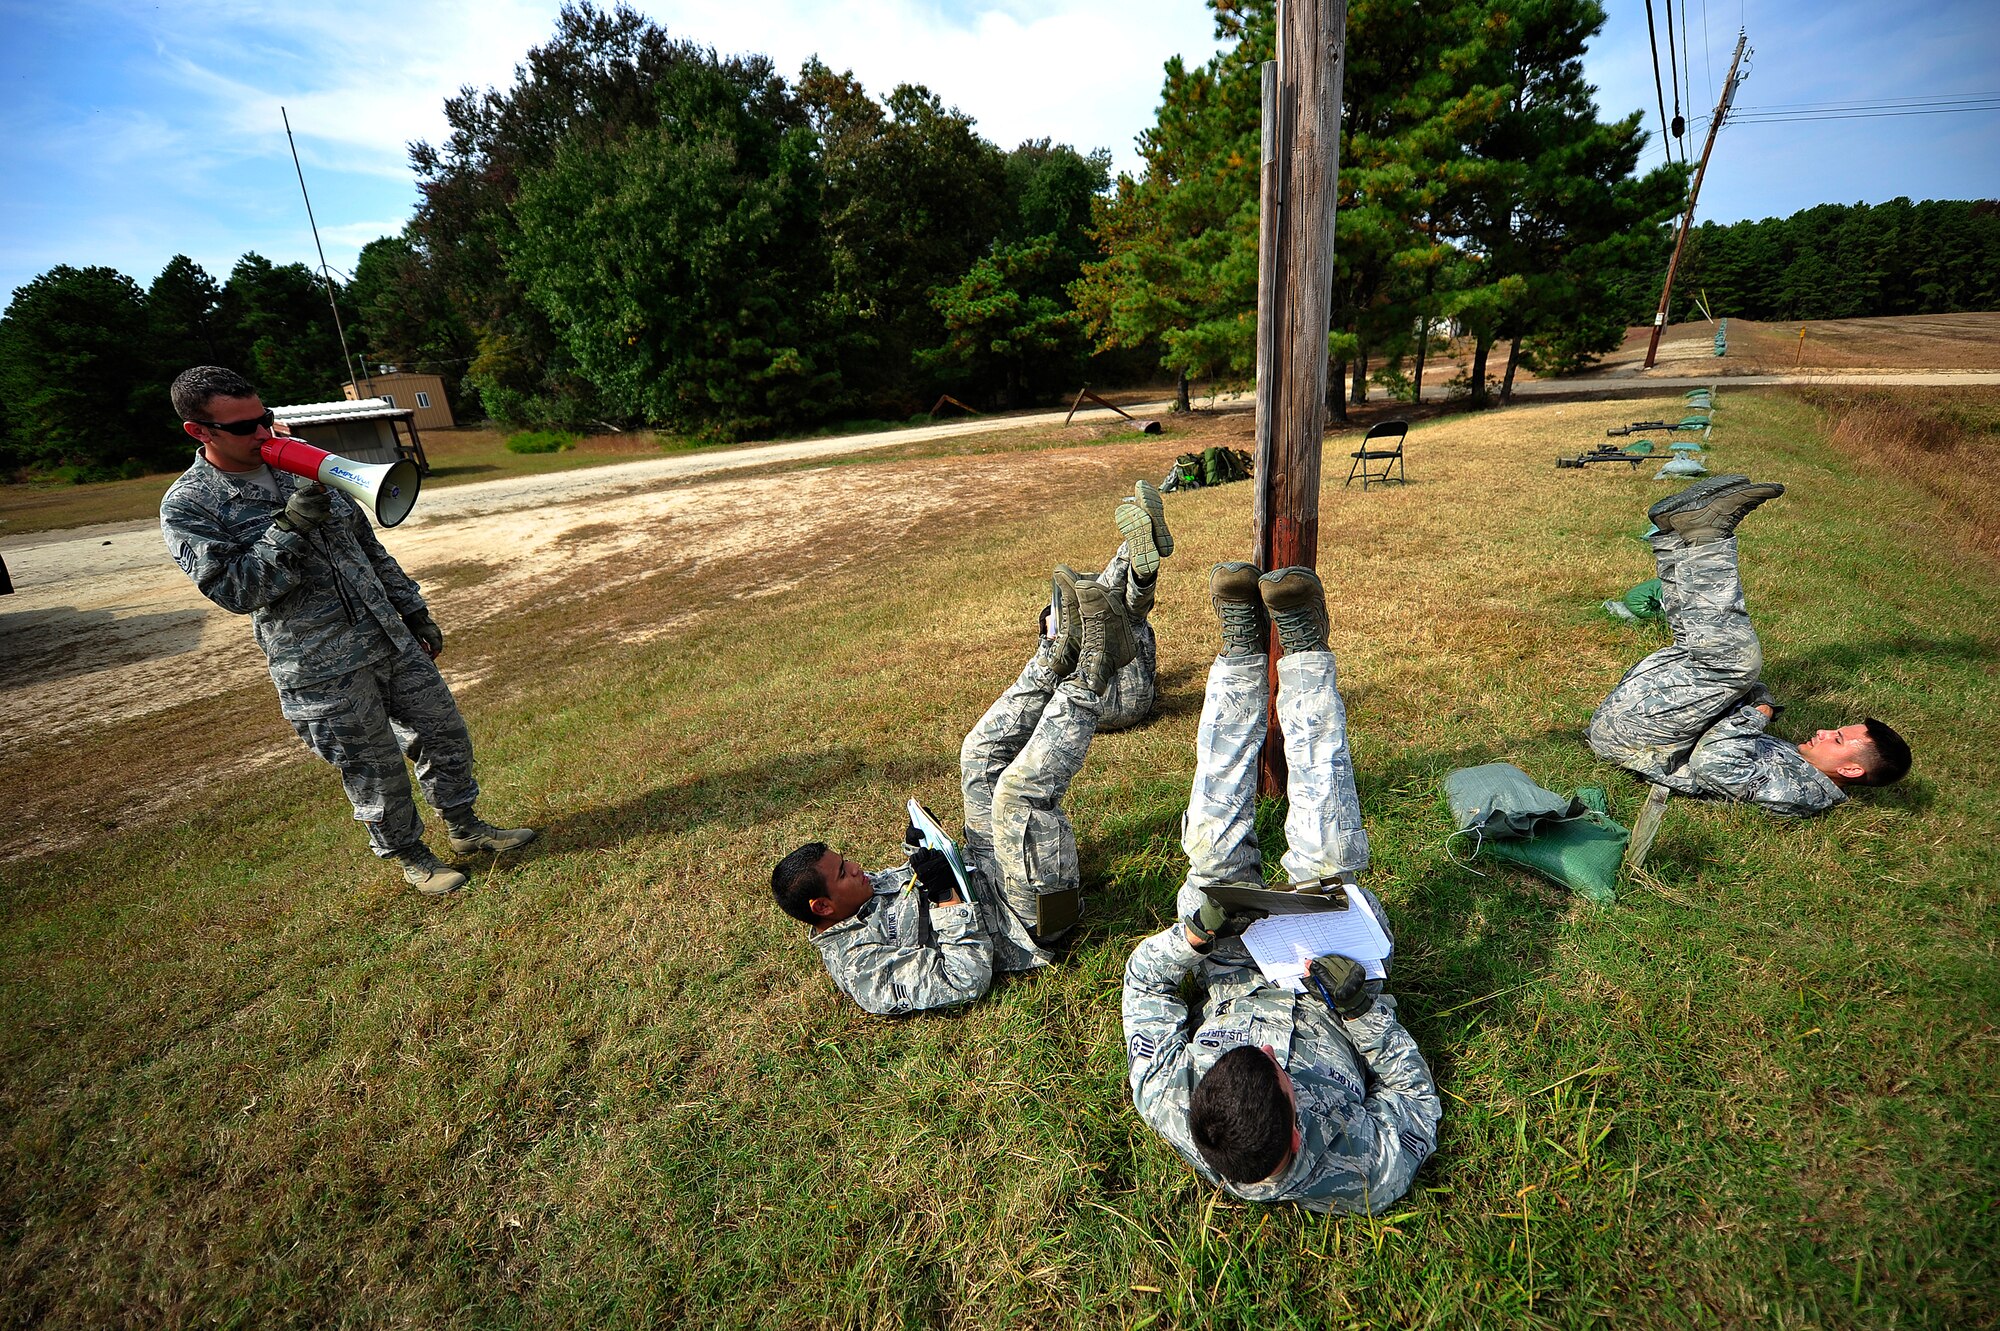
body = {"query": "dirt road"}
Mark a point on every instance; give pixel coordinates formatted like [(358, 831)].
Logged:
[(104, 627)]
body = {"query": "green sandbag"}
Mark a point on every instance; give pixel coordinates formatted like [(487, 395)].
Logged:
[(1640, 603), (1573, 842), (1583, 854), (1643, 600), (1501, 800)]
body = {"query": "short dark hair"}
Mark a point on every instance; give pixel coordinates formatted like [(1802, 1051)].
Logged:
[(797, 881), (194, 389), (1240, 1118), (1890, 762)]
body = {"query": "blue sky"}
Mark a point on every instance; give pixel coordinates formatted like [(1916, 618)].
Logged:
[(140, 130)]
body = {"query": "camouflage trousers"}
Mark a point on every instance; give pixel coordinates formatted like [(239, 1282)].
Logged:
[(1323, 829), (365, 722), (1651, 721), (1135, 687), (1014, 768)]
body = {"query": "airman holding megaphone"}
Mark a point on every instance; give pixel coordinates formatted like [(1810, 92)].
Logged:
[(350, 641)]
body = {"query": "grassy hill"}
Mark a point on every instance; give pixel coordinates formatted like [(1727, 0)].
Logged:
[(248, 1080)]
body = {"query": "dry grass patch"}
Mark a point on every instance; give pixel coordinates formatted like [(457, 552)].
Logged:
[(1945, 442)]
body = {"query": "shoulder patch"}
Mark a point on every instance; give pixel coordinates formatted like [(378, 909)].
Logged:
[(1414, 1142), (185, 558), (1142, 1046)]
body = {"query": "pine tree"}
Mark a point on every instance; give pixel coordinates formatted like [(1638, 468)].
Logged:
[(76, 378)]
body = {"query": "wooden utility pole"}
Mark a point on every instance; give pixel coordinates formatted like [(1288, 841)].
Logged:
[(1687, 218), (1301, 170)]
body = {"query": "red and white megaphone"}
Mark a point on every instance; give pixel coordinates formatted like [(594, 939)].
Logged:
[(389, 489)]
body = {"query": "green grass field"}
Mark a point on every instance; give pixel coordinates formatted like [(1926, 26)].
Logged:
[(249, 1081)]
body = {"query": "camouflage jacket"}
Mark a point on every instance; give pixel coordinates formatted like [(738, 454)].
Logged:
[(900, 954), (1735, 759), (1368, 1109), (321, 604)]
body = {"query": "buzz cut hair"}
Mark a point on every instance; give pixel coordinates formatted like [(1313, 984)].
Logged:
[(194, 389), (1240, 1118), (797, 882), (1890, 760)]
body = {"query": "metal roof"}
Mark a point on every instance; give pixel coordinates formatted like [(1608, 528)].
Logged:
[(320, 413)]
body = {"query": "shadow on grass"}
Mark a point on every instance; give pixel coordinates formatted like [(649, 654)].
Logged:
[(1828, 669), (755, 792), (463, 469)]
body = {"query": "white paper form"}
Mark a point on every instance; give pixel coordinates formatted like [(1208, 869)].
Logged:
[(1284, 945)]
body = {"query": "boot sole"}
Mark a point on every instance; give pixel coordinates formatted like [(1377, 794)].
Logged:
[(1699, 493), (1137, 529), (1156, 508)]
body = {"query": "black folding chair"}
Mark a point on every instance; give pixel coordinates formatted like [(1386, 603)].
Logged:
[(1390, 458)]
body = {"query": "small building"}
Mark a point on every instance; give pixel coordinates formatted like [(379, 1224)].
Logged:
[(422, 393), (371, 430)]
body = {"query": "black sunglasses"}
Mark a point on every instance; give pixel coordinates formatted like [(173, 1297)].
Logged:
[(250, 426)]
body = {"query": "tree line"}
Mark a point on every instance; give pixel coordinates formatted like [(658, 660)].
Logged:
[(1846, 262), (640, 232), (86, 355)]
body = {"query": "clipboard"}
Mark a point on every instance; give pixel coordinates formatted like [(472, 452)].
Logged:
[(1273, 902), (1284, 946), (934, 837)]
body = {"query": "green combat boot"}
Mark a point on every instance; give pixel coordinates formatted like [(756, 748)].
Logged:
[(1232, 590), (1065, 639), (427, 873), (475, 835), (1709, 510), (1297, 605), (1107, 639)]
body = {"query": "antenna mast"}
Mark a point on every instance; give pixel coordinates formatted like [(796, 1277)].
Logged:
[(326, 278)]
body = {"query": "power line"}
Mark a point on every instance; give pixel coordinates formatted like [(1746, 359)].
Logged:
[(1706, 63), (1860, 115), (1653, 37), (1777, 115), (1678, 127), (1687, 62), (1872, 103)]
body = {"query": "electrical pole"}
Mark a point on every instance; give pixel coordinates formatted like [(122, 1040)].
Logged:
[(1694, 192), (346, 361), (1301, 170)]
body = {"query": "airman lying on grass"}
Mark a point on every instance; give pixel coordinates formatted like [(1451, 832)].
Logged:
[(1321, 1097), (1692, 716), (907, 939)]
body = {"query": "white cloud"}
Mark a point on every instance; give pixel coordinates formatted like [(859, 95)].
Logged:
[(1087, 75)]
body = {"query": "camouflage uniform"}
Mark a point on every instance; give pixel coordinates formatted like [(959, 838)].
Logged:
[(1686, 717), (1135, 687), (1368, 1109), (327, 608), (898, 953)]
